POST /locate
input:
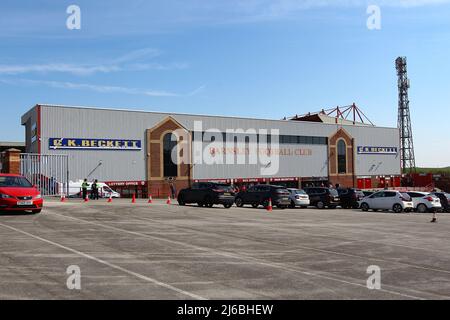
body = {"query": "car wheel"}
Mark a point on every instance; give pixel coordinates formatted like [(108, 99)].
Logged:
[(365, 207), (397, 208), (208, 202), (181, 201), (200, 204), (239, 202), (320, 205), (355, 206), (304, 207), (255, 205), (36, 211), (421, 208), (292, 205), (332, 207), (227, 206), (281, 207)]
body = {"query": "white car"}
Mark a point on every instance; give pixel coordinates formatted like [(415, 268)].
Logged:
[(425, 202), (388, 200), (299, 198)]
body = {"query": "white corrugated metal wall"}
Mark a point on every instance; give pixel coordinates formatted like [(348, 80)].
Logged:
[(74, 122)]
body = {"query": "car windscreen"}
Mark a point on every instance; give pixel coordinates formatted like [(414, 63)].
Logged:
[(406, 196), (14, 182), (334, 193), (300, 192), (359, 193), (281, 190), (223, 187)]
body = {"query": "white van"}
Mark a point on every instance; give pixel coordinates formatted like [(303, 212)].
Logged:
[(104, 190)]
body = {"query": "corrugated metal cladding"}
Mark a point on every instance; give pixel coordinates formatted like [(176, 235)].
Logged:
[(30, 121), (76, 122)]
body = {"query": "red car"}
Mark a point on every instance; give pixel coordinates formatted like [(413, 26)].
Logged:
[(18, 194)]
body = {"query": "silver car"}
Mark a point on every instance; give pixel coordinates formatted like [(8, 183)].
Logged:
[(298, 198), (425, 202)]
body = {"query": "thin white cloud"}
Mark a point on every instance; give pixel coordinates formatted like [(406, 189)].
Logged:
[(98, 88), (132, 61), (257, 10)]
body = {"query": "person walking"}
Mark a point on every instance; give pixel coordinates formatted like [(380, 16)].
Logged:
[(84, 188), (434, 220), (173, 191), (95, 195)]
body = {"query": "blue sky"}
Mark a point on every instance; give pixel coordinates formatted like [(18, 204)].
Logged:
[(253, 58)]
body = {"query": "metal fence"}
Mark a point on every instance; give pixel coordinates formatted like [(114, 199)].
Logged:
[(49, 173)]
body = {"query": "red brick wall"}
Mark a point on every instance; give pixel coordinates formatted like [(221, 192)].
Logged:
[(158, 186), (344, 180), (161, 189), (11, 161)]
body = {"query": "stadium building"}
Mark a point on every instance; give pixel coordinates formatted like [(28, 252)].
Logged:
[(132, 151)]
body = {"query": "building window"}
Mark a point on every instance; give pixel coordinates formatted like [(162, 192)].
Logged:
[(342, 157), (169, 146)]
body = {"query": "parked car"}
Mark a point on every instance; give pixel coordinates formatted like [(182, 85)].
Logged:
[(425, 202), (350, 197), (299, 198), (323, 197), (207, 194), (388, 200), (261, 194), (445, 200), (18, 194)]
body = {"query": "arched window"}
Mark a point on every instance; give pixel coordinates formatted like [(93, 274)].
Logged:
[(169, 146), (342, 157)]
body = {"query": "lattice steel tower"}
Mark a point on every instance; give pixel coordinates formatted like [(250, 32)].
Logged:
[(408, 160)]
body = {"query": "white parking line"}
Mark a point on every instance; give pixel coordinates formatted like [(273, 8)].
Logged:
[(301, 247), (244, 258), (85, 255)]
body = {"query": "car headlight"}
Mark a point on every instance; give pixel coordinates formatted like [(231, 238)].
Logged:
[(38, 196), (5, 196)]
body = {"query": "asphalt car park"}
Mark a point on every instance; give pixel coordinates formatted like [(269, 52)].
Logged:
[(160, 251)]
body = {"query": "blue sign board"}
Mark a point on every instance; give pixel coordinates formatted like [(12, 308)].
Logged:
[(94, 144), (377, 150)]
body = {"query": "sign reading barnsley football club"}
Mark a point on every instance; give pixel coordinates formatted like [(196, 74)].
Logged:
[(94, 144), (378, 150)]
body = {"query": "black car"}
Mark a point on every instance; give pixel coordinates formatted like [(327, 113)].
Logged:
[(261, 194), (350, 197), (323, 197), (207, 194), (445, 200)]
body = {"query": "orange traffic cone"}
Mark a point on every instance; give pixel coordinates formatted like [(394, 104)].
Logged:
[(169, 201), (110, 199), (86, 199), (269, 207), (63, 198), (150, 199), (134, 198)]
